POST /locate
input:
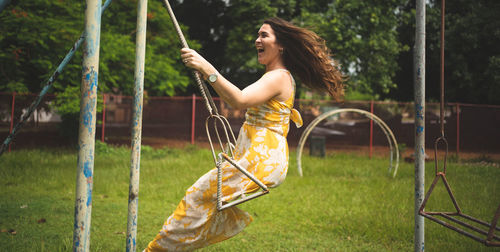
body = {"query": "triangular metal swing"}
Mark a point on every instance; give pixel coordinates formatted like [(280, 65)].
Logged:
[(491, 239), (226, 153), (223, 156)]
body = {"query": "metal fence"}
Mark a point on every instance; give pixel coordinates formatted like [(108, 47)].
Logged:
[(468, 127)]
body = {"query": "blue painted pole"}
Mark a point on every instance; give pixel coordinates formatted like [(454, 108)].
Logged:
[(86, 134), (135, 159), (419, 89), (46, 88), (3, 4)]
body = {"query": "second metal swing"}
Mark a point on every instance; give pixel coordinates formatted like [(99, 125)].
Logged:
[(491, 239), (227, 152)]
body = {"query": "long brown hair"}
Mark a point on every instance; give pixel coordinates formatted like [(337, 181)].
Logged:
[(305, 54)]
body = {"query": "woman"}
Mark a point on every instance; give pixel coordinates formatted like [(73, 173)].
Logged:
[(261, 146)]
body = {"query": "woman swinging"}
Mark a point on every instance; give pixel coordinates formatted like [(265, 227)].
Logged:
[(261, 146)]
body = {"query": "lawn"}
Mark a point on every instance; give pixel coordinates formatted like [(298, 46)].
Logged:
[(344, 202)]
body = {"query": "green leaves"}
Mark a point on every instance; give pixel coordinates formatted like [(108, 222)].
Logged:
[(372, 40), (363, 39)]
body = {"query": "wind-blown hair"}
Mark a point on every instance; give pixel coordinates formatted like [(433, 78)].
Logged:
[(305, 54)]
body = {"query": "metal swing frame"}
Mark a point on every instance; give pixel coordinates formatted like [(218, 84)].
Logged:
[(491, 239), (451, 216), (226, 154)]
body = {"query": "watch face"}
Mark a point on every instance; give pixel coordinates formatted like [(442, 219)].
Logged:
[(212, 78)]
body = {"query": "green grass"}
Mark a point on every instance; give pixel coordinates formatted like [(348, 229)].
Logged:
[(344, 202)]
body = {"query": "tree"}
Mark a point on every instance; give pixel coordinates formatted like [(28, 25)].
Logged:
[(362, 35), (36, 35), (363, 38), (471, 52), (227, 30)]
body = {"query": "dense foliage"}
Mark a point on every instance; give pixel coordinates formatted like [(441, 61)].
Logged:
[(36, 35), (472, 65), (372, 40)]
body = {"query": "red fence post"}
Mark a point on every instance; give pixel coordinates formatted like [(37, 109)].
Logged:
[(103, 116), (371, 129), (12, 114), (193, 118), (458, 131)]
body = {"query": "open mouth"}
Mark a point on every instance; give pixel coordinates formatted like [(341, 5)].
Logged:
[(260, 50)]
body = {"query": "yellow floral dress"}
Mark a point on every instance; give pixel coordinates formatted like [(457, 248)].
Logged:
[(262, 149)]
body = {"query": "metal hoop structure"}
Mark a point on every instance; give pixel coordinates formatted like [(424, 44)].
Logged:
[(226, 153), (393, 145)]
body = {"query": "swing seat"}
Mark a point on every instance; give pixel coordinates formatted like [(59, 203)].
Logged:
[(457, 224), (489, 238), (223, 205)]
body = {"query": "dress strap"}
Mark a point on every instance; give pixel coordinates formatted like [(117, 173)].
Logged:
[(294, 114)]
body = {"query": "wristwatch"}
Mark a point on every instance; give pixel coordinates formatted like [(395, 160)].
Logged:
[(212, 78)]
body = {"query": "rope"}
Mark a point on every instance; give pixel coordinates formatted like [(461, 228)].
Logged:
[(209, 102)]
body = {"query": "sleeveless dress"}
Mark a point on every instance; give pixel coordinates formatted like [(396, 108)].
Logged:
[(262, 149)]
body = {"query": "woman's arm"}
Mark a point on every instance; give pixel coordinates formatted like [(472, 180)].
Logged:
[(273, 84)]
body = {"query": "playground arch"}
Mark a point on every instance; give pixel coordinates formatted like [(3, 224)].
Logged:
[(393, 145)]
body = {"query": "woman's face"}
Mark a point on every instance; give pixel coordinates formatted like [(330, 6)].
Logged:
[(268, 50)]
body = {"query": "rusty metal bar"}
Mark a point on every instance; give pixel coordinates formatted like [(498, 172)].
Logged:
[(447, 216), (452, 227), (494, 223), (430, 215), (484, 223), (441, 109), (487, 241), (86, 134), (442, 174)]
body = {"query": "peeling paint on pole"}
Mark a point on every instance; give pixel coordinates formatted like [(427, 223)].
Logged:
[(86, 134), (135, 159), (419, 89)]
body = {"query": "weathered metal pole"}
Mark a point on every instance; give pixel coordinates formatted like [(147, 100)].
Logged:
[(86, 134), (135, 160), (419, 89)]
